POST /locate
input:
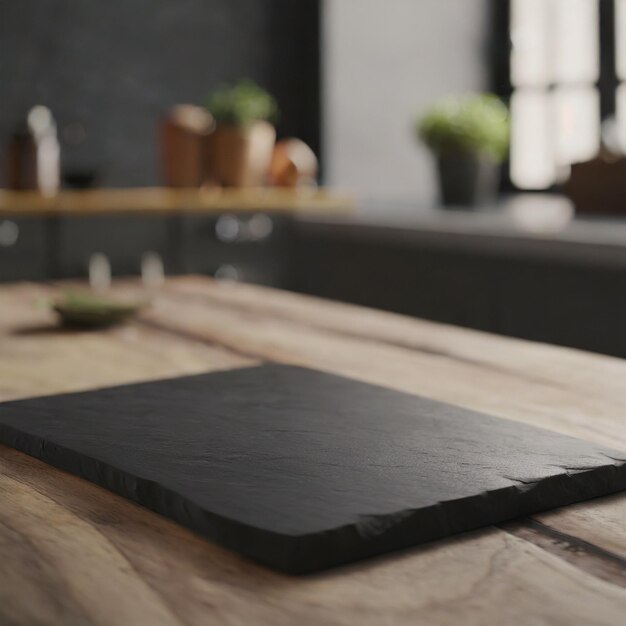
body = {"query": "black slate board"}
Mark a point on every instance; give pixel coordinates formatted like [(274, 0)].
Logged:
[(302, 470)]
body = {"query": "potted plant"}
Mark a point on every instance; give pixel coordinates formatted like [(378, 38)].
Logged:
[(470, 138), (240, 148)]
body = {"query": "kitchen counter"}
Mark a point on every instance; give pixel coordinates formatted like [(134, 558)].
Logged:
[(538, 226), (527, 268), (238, 231), (73, 553)]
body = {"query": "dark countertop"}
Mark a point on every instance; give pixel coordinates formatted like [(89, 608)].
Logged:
[(531, 225)]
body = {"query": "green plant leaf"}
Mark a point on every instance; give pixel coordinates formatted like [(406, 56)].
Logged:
[(242, 104), (475, 124)]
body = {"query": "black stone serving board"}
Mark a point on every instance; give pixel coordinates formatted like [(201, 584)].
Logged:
[(302, 470)]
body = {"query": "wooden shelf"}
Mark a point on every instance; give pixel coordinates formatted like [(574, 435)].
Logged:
[(164, 200)]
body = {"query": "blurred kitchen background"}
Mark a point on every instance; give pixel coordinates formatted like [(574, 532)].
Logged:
[(458, 160)]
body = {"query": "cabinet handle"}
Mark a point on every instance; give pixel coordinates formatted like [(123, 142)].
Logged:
[(232, 229), (227, 272), (228, 229), (9, 233), (259, 227)]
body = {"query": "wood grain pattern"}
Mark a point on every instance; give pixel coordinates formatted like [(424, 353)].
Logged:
[(72, 553), (165, 200)]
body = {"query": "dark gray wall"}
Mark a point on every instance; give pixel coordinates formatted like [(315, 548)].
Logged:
[(117, 65)]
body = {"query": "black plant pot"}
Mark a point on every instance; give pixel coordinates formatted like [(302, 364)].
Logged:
[(467, 180)]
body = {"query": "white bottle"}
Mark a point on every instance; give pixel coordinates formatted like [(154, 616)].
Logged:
[(48, 153)]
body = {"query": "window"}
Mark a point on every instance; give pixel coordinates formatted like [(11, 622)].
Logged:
[(620, 68), (555, 100)]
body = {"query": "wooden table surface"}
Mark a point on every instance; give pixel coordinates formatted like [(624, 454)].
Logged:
[(73, 553)]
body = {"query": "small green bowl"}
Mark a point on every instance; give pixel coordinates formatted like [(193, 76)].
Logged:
[(87, 310)]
